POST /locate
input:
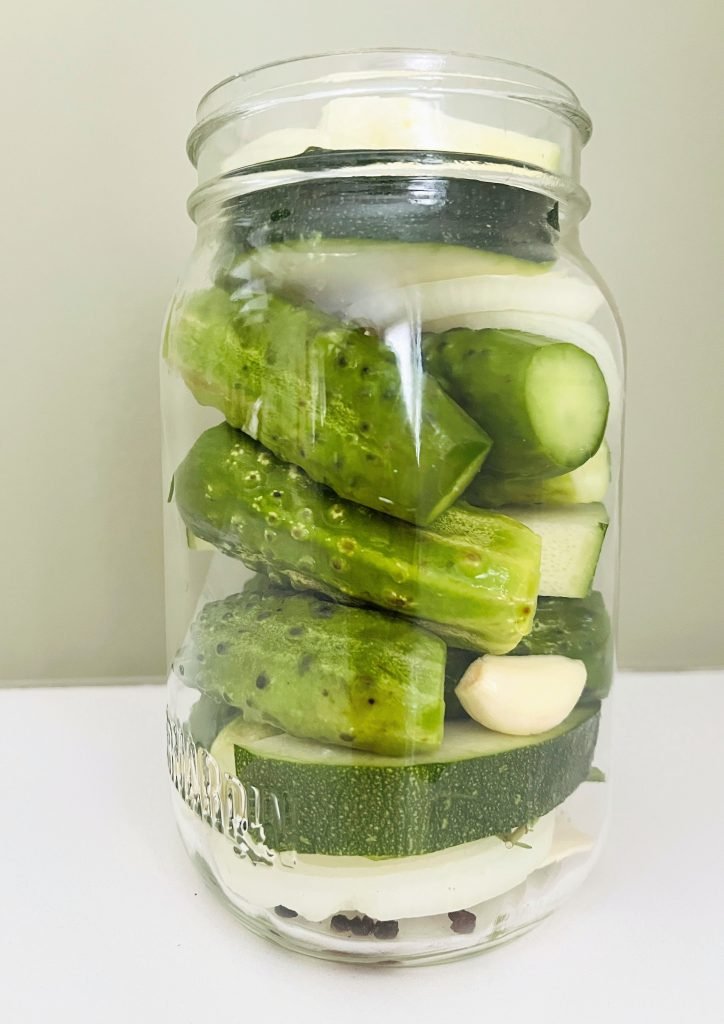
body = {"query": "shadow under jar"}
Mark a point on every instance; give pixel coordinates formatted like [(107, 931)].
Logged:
[(392, 403)]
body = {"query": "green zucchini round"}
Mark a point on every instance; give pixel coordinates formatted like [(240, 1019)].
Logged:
[(320, 799)]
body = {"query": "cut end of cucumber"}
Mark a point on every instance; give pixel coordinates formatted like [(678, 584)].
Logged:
[(570, 429), (572, 538)]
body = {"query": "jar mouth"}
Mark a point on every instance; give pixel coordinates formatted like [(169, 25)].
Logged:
[(393, 70)]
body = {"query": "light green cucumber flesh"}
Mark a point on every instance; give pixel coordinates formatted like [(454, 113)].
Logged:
[(364, 679), (586, 484), (472, 576), (572, 537), (572, 628), (544, 403), (317, 799), (329, 398)]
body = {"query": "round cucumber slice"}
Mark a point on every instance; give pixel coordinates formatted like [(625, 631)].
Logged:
[(326, 800)]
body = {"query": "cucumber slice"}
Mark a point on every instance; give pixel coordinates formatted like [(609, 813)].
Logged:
[(584, 485), (334, 273), (572, 537), (428, 207), (318, 886), (319, 799), (544, 403), (554, 293), (354, 676)]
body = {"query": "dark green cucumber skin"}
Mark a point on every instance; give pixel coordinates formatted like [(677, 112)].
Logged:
[(415, 809), (455, 211), (362, 679), (456, 664), (571, 627), (485, 371), (476, 587), (328, 398), (575, 628)]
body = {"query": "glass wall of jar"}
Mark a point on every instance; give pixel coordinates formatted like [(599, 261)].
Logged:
[(392, 403)]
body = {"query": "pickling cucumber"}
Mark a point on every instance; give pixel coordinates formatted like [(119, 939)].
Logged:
[(586, 484), (320, 799), (572, 537), (429, 208), (544, 403), (329, 398), (472, 576), (574, 628), (364, 679), (546, 325)]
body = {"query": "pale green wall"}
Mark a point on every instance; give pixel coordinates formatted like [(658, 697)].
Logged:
[(99, 99)]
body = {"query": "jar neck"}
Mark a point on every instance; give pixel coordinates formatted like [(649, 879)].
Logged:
[(396, 111)]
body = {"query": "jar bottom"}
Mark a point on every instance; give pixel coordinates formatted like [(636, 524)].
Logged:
[(417, 941)]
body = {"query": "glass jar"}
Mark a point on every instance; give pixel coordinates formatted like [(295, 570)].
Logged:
[(392, 403)]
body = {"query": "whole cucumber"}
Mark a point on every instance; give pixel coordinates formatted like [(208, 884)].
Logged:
[(543, 402), (329, 398), (360, 678), (472, 577)]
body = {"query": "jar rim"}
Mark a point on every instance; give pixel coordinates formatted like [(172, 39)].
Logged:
[(475, 73)]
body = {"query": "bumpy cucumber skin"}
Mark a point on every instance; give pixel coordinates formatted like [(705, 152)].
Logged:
[(486, 373), (584, 485), (572, 627), (410, 809), (359, 678), (476, 589), (328, 398), (575, 628)]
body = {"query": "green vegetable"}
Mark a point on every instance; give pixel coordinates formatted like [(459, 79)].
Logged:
[(572, 537), (473, 576), (478, 783), (430, 209), (586, 484), (361, 678), (573, 628), (544, 403), (331, 399)]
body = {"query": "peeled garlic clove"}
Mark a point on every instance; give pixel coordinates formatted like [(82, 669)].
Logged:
[(521, 696)]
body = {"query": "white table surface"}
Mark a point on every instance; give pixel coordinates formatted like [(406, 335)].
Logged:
[(103, 919)]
